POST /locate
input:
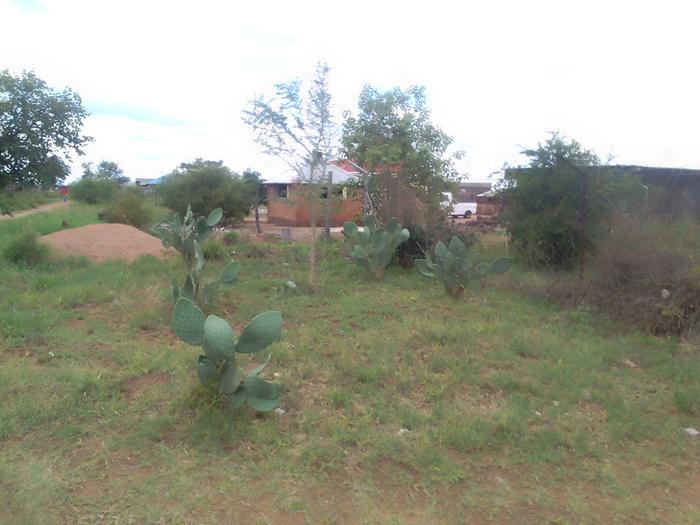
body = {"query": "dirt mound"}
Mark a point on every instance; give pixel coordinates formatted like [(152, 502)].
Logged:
[(101, 242)]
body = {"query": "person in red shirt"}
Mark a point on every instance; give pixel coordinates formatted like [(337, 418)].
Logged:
[(64, 191)]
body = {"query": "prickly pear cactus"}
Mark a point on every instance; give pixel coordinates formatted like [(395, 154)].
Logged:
[(455, 266), (373, 247), (186, 236), (217, 367)]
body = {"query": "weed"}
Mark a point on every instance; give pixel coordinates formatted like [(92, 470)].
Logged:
[(26, 250)]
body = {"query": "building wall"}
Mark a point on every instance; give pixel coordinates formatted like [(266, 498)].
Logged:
[(293, 211), (468, 192)]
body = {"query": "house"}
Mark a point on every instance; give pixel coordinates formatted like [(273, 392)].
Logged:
[(467, 191), (287, 196), (488, 203)]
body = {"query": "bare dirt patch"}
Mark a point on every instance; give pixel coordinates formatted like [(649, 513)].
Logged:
[(101, 242), (133, 387)]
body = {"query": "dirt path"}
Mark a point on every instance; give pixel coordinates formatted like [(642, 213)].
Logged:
[(32, 211)]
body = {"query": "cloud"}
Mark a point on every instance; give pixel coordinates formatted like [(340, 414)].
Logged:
[(166, 81)]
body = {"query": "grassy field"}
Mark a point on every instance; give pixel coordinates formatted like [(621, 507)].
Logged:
[(24, 200), (514, 411)]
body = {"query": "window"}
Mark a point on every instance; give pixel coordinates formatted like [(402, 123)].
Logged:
[(282, 191)]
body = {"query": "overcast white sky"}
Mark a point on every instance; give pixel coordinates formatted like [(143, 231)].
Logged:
[(166, 81)]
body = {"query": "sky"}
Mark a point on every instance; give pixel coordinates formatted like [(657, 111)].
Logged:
[(166, 81)]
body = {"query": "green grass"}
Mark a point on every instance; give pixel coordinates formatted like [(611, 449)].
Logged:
[(517, 412), (27, 199)]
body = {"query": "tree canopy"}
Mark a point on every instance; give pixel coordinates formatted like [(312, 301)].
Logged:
[(105, 171), (558, 205), (393, 132), (298, 129), (39, 130), (207, 185), (393, 138)]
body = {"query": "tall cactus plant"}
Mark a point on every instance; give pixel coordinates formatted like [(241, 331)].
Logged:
[(373, 247), (217, 367), (186, 236), (455, 266)]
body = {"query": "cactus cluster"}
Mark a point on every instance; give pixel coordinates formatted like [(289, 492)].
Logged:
[(217, 367), (186, 236), (373, 247), (455, 266)]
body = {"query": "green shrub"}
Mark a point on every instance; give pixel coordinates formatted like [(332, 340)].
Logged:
[(207, 185), (230, 238), (26, 250), (213, 250), (129, 208), (557, 209), (92, 191)]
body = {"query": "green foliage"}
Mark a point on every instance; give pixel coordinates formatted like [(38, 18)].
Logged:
[(105, 170), (94, 191), (558, 207), (217, 367), (25, 250), (373, 248), (24, 199), (230, 237), (129, 208), (455, 266), (186, 236), (205, 185), (213, 250), (393, 138), (39, 128)]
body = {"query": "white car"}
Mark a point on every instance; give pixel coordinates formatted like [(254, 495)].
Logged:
[(463, 209), (458, 209)]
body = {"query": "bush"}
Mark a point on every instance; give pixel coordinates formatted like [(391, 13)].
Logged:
[(129, 208), (558, 208), (423, 239), (212, 250), (646, 274), (230, 238), (26, 250), (207, 185), (92, 191)]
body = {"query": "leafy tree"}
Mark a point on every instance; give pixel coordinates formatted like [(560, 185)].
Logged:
[(39, 129), (106, 170), (404, 154), (254, 180), (206, 185), (299, 130), (557, 206)]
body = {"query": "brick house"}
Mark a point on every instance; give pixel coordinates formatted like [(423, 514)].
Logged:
[(467, 191), (287, 196)]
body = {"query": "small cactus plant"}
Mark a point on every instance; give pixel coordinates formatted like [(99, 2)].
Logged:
[(186, 236), (455, 266), (373, 247), (217, 367)]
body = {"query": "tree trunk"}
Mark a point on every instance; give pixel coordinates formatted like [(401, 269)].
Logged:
[(312, 249), (257, 203), (329, 205)]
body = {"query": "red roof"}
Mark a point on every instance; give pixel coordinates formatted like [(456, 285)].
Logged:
[(345, 165)]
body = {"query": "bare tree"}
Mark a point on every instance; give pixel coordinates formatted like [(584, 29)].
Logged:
[(299, 130)]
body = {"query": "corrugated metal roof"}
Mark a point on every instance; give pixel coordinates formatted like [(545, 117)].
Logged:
[(342, 172)]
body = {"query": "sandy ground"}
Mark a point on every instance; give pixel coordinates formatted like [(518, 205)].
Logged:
[(32, 211), (101, 242)]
